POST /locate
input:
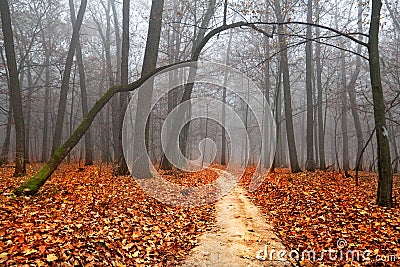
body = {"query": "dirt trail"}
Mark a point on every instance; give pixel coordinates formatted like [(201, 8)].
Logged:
[(239, 234)]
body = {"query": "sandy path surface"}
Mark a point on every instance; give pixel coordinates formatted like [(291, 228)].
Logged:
[(240, 233)]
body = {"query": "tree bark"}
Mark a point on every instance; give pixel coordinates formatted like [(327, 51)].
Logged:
[(140, 168), (15, 90), (385, 182)]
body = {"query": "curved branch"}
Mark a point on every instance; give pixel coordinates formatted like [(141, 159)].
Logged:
[(32, 186)]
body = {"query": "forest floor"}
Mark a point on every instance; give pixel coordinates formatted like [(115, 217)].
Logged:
[(85, 216), (324, 211)]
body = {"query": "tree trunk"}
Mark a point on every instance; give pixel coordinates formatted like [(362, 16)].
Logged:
[(122, 168), (66, 75), (46, 106), (267, 88), (197, 43), (140, 168), (15, 90), (28, 113), (82, 85), (223, 132), (6, 145), (395, 147), (294, 164), (278, 111), (345, 140), (115, 101), (385, 182), (310, 162), (352, 95), (321, 132), (32, 185)]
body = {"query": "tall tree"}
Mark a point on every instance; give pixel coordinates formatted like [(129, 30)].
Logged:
[(66, 76), (82, 85), (321, 129), (15, 90), (122, 168), (267, 88), (7, 140), (140, 168), (294, 164), (197, 42), (345, 152), (223, 133), (310, 162), (46, 110), (385, 181), (118, 42), (351, 91)]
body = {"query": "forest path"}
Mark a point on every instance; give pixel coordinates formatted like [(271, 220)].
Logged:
[(239, 234)]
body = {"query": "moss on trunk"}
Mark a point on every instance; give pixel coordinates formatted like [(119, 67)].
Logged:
[(32, 185)]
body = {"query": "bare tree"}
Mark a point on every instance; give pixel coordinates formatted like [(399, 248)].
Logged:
[(321, 128), (82, 85), (122, 168), (66, 75), (310, 162), (140, 168), (294, 164), (15, 90), (385, 182)]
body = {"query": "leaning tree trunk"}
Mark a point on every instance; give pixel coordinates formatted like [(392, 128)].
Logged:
[(66, 75), (15, 90), (32, 185), (385, 182)]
